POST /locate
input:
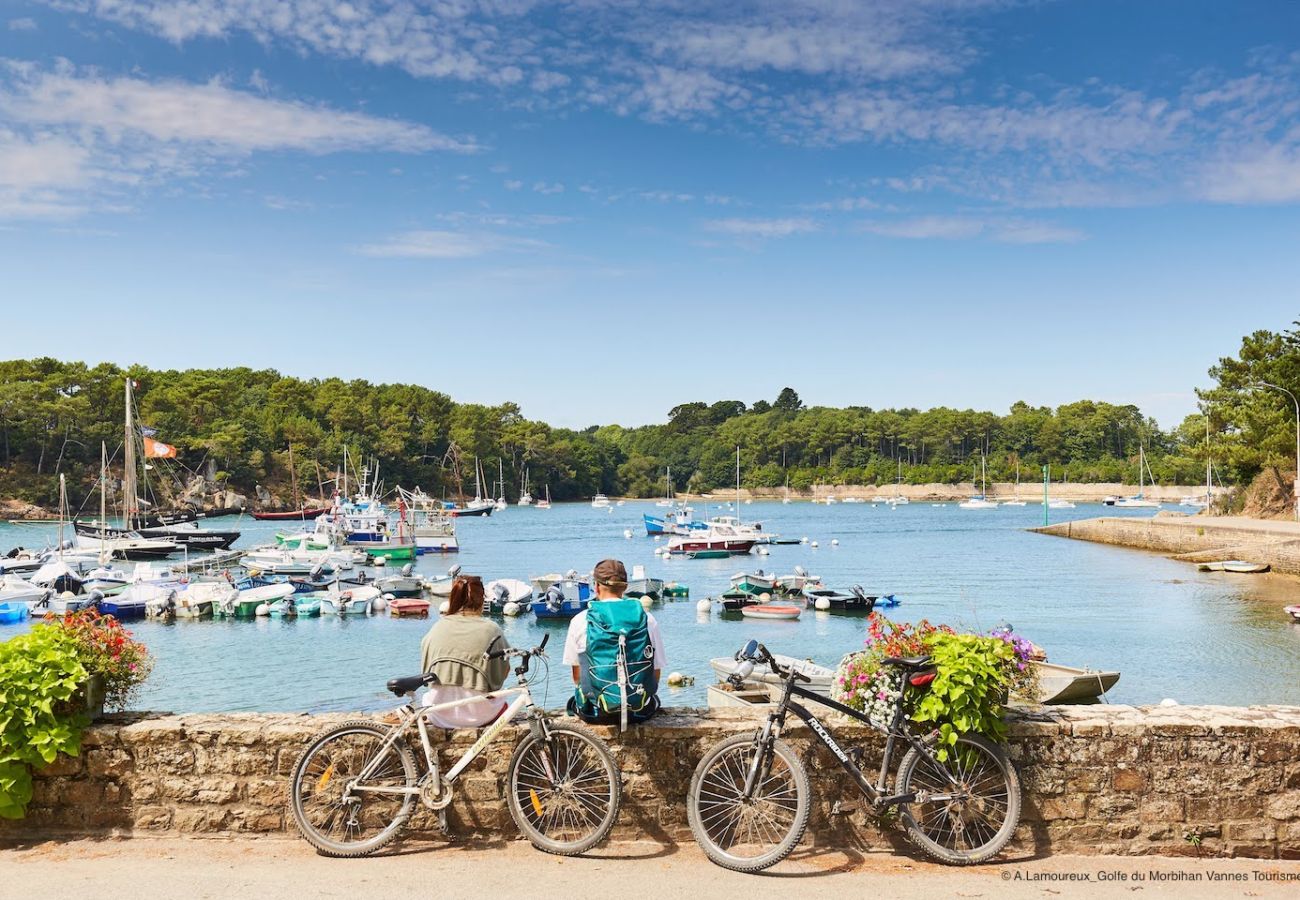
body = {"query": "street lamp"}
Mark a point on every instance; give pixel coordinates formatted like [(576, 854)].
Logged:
[(1296, 486)]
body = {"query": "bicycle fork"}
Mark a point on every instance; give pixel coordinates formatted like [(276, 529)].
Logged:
[(758, 764)]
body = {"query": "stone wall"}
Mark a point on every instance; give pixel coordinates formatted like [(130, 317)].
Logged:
[(1107, 779), (1194, 538), (1029, 491)]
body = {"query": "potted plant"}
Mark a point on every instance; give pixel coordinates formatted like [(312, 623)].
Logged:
[(974, 674), (116, 664)]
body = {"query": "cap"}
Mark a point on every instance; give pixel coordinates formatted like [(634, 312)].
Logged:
[(610, 572)]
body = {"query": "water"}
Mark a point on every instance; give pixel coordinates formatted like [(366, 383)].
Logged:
[(1170, 630)]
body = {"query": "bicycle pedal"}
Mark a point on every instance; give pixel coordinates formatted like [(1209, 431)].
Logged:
[(844, 809)]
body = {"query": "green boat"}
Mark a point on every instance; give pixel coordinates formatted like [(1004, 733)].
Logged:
[(675, 591), (293, 607), (708, 554), (391, 551)]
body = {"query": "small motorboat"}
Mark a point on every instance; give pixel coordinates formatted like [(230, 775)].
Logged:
[(62, 604), (1067, 684), (12, 612), (707, 554), (358, 601), (1061, 504), (408, 608), (58, 577), (506, 597), (675, 591), (133, 603), (244, 604), (795, 585), (404, 584), (441, 587), (754, 583), (1293, 612), (734, 601), (820, 676), (561, 601), (770, 611), (198, 599), (1236, 566), (295, 606), (641, 586), (830, 600), (105, 579), (16, 590)]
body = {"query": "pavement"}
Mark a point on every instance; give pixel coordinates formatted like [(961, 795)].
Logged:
[(278, 868)]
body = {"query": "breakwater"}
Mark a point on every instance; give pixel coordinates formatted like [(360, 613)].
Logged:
[(1213, 781), (939, 492), (1194, 538)]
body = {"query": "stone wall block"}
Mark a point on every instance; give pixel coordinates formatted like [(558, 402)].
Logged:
[(109, 762), (63, 765)]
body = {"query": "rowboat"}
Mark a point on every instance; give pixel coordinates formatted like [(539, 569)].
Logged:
[(1067, 684), (12, 612), (820, 677), (1293, 612), (707, 554), (408, 607), (770, 611), (1237, 566)]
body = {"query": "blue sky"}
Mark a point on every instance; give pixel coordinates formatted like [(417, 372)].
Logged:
[(603, 209)]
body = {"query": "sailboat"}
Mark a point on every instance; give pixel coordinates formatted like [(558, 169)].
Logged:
[(786, 497), (525, 498), (501, 485), (545, 504), (1015, 501), (980, 500), (1138, 500), (1203, 501), (667, 501), (480, 505), (898, 499)]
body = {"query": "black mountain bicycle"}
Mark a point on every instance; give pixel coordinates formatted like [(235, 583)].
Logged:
[(749, 798)]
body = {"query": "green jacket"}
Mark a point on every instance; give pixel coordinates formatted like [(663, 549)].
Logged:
[(453, 650)]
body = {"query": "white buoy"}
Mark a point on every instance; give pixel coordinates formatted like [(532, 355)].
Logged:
[(763, 551), (379, 604), (647, 602), (511, 608), (380, 561), (627, 533), (657, 538), (1169, 701), (704, 606), (443, 607), (674, 679), (835, 542), (765, 596), (67, 595), (621, 502), (804, 539), (262, 609), (813, 545), (823, 603)]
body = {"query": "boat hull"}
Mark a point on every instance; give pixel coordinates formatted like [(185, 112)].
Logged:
[(299, 514)]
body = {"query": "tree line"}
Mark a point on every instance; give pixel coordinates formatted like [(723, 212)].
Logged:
[(237, 425)]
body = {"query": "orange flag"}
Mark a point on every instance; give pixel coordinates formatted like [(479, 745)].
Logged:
[(158, 450)]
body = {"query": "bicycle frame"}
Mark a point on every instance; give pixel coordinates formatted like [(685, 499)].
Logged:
[(412, 714), (875, 793)]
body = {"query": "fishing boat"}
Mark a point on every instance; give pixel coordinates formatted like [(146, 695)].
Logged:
[(600, 501), (639, 585), (390, 551), (754, 583), (563, 600), (1067, 684), (795, 584), (1138, 500), (357, 601), (820, 678), (409, 608), (980, 500), (1236, 566), (506, 597), (12, 612), (545, 504)]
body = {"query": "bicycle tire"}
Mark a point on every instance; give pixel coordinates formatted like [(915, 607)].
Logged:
[(1003, 775), (324, 844), (699, 812), (525, 784)]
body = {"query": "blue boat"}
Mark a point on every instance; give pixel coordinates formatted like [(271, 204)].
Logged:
[(676, 522), (123, 607), (12, 612), (562, 600)]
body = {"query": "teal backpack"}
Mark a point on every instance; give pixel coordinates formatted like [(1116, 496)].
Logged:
[(618, 667)]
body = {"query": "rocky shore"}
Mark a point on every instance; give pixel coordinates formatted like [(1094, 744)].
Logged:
[(941, 493)]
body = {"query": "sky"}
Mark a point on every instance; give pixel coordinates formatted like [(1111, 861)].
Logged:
[(599, 209)]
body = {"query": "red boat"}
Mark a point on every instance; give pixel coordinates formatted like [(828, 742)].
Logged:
[(409, 607), (716, 538), (302, 514)]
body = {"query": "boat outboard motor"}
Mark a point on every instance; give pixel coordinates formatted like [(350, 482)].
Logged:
[(316, 571), (500, 595), (801, 571), (554, 598), (93, 601), (453, 571), (408, 569)]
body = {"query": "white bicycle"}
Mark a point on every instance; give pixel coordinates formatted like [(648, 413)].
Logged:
[(356, 785)]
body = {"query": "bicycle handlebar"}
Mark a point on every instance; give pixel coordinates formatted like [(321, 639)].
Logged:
[(539, 650), (752, 654)]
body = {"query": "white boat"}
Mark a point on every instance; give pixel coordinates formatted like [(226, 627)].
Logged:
[(525, 498), (1237, 566), (600, 501), (441, 586), (545, 504), (103, 578), (357, 601), (1293, 612), (1015, 501), (1060, 504), (980, 500), (404, 584), (770, 611), (797, 582), (499, 594), (898, 500), (432, 527), (854, 500), (667, 502), (17, 590), (1138, 500), (821, 677), (198, 599), (1067, 684)]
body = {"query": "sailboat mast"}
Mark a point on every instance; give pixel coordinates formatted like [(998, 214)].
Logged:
[(293, 478), (128, 462), (737, 482), (63, 505), (103, 499)]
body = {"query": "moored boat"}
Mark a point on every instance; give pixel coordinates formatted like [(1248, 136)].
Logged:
[(820, 677), (1236, 566), (770, 611), (506, 597), (408, 607), (12, 612), (562, 600), (1067, 684)]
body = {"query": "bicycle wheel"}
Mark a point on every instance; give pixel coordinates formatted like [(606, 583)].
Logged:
[(330, 813), (564, 790), (748, 835), (970, 829)]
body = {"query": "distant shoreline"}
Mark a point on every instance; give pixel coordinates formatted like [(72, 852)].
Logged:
[(937, 492)]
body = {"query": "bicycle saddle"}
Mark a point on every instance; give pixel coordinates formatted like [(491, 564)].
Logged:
[(907, 662), (401, 686)]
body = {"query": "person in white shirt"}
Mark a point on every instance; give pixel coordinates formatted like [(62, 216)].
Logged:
[(611, 581)]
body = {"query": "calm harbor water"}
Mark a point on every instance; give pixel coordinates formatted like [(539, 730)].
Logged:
[(1170, 630)]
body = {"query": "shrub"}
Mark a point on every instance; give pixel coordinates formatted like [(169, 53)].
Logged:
[(108, 650)]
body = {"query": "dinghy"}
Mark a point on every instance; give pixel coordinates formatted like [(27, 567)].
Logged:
[(821, 677), (770, 611), (1237, 566), (1067, 684), (501, 594), (1293, 612), (561, 601), (409, 608), (12, 612)]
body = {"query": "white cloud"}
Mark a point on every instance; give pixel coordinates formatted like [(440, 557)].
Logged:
[(761, 228), (441, 244), (1270, 175), (542, 187), (513, 184), (76, 140), (26, 23), (502, 220), (1008, 231)]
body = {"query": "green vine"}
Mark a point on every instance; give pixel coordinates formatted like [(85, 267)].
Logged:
[(972, 678), (40, 672)]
